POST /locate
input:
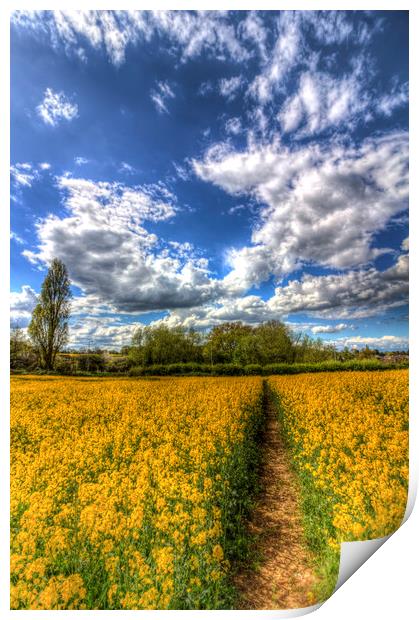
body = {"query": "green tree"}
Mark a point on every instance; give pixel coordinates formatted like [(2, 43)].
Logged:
[(275, 342), (160, 344), (48, 328), (223, 342), (22, 354)]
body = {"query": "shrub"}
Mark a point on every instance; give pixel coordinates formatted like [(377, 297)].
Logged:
[(253, 369), (92, 362)]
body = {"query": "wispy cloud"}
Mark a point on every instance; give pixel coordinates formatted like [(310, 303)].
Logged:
[(229, 87), (80, 161), (160, 95), (233, 126), (23, 174), (17, 238)]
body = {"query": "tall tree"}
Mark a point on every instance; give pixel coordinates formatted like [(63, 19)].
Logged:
[(48, 328)]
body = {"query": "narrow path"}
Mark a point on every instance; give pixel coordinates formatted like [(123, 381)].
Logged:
[(281, 576)]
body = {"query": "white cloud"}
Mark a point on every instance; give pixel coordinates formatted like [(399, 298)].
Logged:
[(22, 304), (323, 101), (190, 33), (100, 331), (384, 343), (398, 97), (233, 126), (23, 174), (328, 329), (15, 237), (351, 295), (112, 256), (320, 205), (354, 294), (252, 29), (44, 165), (285, 54), (181, 171), (127, 168), (80, 161), (205, 88), (160, 95), (56, 107), (229, 87)]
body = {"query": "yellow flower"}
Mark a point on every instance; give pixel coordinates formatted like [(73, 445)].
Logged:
[(218, 553)]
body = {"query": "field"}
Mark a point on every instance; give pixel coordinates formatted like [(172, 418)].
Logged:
[(132, 494), (348, 434), (125, 493)]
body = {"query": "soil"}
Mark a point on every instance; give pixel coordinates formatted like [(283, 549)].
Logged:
[(281, 575)]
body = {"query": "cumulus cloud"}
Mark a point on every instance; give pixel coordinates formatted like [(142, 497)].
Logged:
[(22, 304), (384, 343), (100, 331), (160, 96), (56, 107), (351, 295), (110, 253), (328, 329), (319, 204)]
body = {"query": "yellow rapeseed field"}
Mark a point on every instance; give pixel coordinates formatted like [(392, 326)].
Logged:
[(348, 433), (124, 493), (130, 494)]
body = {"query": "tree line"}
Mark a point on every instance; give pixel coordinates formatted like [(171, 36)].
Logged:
[(231, 343)]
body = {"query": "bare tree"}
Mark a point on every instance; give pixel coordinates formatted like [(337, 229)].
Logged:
[(48, 328)]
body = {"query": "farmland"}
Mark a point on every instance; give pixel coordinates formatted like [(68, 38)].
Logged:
[(348, 434), (132, 494)]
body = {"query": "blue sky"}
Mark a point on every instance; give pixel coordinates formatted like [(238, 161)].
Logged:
[(193, 168)]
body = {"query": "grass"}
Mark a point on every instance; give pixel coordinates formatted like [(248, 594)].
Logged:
[(316, 509)]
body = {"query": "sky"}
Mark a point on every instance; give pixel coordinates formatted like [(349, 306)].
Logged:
[(192, 168)]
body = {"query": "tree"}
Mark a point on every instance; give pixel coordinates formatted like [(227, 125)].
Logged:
[(22, 354), (48, 328), (275, 340), (223, 341)]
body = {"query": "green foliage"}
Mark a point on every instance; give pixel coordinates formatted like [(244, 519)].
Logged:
[(22, 353), (163, 345), (92, 362), (316, 508), (257, 369), (48, 328)]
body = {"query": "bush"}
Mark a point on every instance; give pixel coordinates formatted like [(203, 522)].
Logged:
[(232, 370), (253, 369), (96, 365), (92, 362), (118, 365), (65, 365)]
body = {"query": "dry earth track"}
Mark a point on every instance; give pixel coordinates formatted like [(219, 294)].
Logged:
[(282, 576)]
